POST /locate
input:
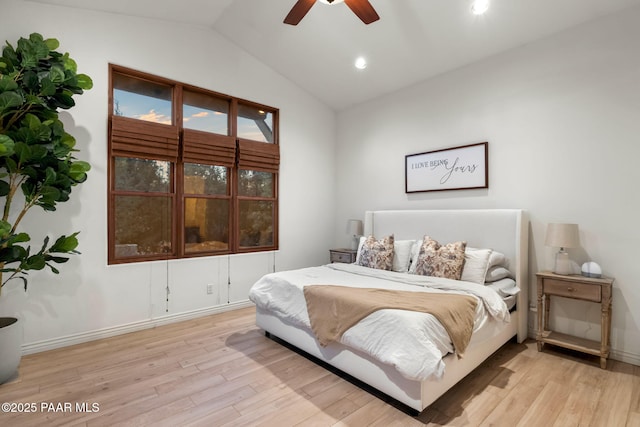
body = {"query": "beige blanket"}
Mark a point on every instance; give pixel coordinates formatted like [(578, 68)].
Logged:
[(334, 309)]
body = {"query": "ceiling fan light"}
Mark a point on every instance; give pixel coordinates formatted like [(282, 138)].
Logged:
[(479, 7), (331, 1)]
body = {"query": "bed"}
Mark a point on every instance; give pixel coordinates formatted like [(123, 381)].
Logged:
[(502, 231)]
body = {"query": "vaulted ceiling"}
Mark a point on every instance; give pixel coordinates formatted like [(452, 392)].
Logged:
[(412, 41)]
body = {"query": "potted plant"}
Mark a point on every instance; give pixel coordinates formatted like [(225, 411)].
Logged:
[(37, 164)]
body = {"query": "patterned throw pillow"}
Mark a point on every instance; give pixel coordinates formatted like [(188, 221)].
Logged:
[(377, 253), (441, 260)]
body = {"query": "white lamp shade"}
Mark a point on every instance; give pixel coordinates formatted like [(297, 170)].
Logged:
[(562, 236), (354, 227)]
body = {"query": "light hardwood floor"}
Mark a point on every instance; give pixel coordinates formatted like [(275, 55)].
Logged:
[(222, 370)]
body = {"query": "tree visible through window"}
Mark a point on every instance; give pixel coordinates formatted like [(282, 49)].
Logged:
[(191, 172)]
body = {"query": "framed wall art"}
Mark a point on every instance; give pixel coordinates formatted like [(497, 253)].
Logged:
[(456, 168)]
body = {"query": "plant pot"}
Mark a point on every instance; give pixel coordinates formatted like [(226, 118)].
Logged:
[(10, 347)]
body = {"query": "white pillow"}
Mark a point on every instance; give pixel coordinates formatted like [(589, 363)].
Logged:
[(415, 251), (505, 287), (359, 253), (497, 258), (476, 262), (402, 255), (497, 273)]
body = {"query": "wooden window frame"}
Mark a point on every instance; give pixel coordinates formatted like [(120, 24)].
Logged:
[(133, 138)]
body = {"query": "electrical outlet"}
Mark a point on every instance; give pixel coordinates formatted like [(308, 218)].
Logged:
[(209, 289)]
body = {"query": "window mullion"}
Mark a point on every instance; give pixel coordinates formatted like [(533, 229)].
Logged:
[(233, 206), (178, 229)]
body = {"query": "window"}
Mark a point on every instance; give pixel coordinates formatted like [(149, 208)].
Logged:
[(206, 207), (255, 123), (204, 112), (141, 99), (191, 172)]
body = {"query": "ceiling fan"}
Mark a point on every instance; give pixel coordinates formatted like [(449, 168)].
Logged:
[(362, 9)]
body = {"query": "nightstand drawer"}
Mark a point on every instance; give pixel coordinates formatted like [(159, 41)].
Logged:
[(340, 257), (572, 290), (347, 256)]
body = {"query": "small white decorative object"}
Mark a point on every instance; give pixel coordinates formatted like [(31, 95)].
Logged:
[(591, 269)]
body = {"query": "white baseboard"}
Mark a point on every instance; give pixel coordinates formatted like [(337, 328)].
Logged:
[(623, 356), (51, 344)]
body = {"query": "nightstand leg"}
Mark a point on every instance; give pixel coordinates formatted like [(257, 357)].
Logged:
[(547, 308), (540, 315), (605, 335)]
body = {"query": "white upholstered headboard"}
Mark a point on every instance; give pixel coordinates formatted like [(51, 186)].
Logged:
[(503, 230)]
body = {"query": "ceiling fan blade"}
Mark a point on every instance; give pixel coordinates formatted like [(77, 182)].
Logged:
[(363, 9), (298, 11)]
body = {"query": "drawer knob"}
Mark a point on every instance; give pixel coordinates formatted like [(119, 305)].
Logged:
[(570, 289)]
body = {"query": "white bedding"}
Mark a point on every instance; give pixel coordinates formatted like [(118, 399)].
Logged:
[(413, 342)]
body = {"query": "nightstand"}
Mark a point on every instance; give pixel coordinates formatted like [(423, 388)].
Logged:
[(580, 288), (347, 256)]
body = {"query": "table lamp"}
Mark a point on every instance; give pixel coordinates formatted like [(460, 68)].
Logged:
[(562, 236), (354, 228)]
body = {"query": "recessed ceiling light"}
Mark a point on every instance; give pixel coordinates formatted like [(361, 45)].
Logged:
[(479, 7), (361, 63)]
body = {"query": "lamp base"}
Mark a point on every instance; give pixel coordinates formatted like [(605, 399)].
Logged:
[(563, 264), (355, 242)]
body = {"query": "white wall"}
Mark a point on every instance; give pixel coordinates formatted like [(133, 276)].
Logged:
[(89, 295), (562, 118)]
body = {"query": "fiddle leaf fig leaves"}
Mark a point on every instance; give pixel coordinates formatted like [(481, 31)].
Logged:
[(52, 44), (65, 244), (48, 87), (7, 84), (4, 188), (6, 145), (84, 81), (36, 153), (5, 229), (9, 100)]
